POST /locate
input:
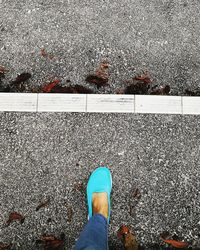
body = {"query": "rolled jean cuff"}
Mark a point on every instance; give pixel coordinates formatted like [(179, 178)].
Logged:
[(100, 218)]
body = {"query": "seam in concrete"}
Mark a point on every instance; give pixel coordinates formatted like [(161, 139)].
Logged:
[(86, 103), (134, 103), (182, 105), (37, 103)]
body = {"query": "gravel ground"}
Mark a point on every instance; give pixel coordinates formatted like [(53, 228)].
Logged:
[(160, 36), (51, 155)]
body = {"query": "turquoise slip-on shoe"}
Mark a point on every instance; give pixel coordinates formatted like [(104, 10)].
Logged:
[(99, 181)]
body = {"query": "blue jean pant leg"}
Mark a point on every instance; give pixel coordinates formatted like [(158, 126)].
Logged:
[(94, 235)]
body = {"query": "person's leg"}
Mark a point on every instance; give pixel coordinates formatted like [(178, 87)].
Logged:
[(94, 235)]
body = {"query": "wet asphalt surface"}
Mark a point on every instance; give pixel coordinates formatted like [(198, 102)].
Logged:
[(51, 155), (160, 37)]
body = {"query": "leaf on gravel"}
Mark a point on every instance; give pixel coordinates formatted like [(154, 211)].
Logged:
[(51, 242), (45, 54), (102, 70), (162, 90), (195, 92), (23, 77), (4, 246), (143, 78), (76, 89), (175, 243), (100, 78), (136, 193), (6, 89), (48, 87), (138, 85), (139, 88), (79, 187), (3, 70), (128, 238), (99, 81), (14, 216), (122, 231), (69, 212), (119, 91), (43, 204)]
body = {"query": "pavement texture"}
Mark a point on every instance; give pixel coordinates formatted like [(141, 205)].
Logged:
[(51, 155), (160, 36)]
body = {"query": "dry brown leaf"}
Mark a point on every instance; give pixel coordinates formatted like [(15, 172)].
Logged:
[(119, 91), (43, 204), (76, 89), (79, 186), (23, 77), (162, 90), (45, 54), (122, 231), (69, 212), (195, 92), (143, 78), (51, 242), (136, 193), (175, 243), (14, 216), (4, 246), (128, 238), (100, 78), (3, 70), (137, 87), (102, 70), (48, 87)]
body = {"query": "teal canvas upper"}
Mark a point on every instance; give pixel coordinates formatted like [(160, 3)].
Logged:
[(99, 181)]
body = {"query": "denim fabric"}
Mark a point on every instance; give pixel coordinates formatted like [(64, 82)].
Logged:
[(94, 235)]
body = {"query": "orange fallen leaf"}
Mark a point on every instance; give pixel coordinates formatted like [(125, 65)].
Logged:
[(175, 243), (48, 87), (122, 231)]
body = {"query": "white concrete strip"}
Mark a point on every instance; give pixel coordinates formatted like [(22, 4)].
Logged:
[(23, 102), (49, 102), (110, 103), (99, 103), (154, 104), (191, 105)]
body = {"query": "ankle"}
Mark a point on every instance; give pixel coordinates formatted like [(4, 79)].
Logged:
[(100, 204)]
